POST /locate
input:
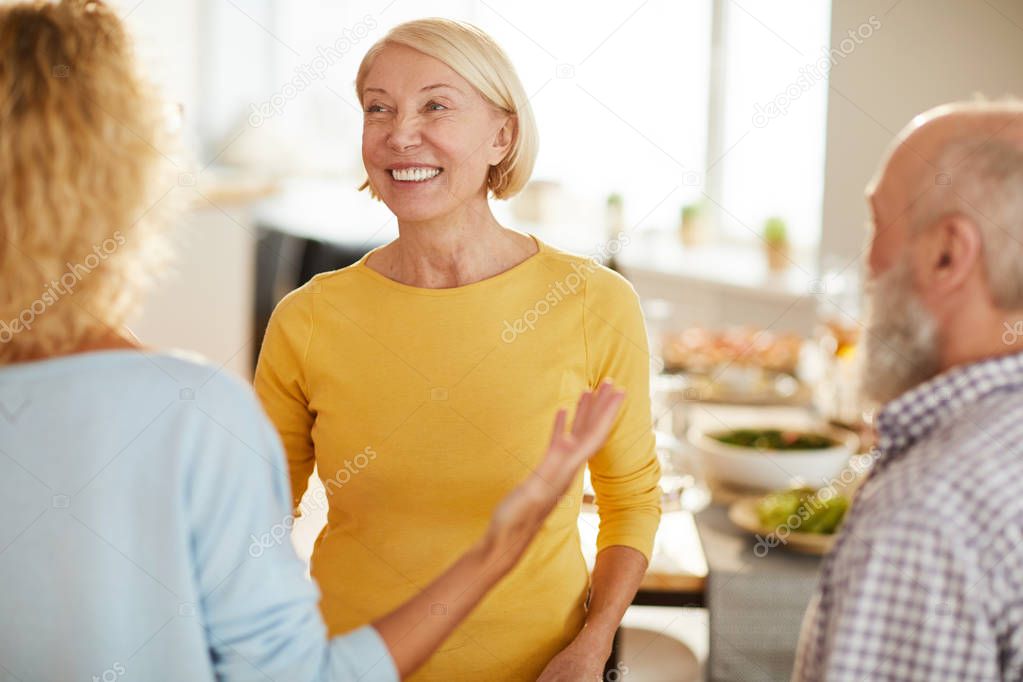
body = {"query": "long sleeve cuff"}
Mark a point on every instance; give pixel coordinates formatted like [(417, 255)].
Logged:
[(362, 655)]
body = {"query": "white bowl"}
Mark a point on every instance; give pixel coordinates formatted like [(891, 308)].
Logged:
[(773, 469)]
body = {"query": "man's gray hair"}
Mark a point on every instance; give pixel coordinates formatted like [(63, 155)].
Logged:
[(981, 178)]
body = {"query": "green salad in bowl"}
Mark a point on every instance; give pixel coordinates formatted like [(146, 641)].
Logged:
[(775, 439), (771, 456)]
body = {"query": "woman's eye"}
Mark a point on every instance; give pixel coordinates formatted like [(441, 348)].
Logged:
[(374, 108), (435, 106)]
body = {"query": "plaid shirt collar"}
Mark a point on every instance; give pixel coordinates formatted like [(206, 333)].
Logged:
[(919, 411)]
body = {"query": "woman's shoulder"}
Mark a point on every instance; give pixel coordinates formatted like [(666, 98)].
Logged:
[(301, 301), (191, 372), (140, 378), (601, 282)]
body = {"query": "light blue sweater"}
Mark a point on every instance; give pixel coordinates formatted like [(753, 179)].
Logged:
[(144, 517)]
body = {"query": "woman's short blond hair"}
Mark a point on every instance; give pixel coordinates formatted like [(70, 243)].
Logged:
[(473, 55), (80, 134)]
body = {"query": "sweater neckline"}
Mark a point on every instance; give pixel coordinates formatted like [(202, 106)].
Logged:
[(494, 280)]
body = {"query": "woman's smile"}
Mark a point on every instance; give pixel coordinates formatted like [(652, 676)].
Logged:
[(413, 174)]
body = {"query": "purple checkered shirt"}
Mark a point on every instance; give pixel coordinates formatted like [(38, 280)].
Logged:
[(926, 578)]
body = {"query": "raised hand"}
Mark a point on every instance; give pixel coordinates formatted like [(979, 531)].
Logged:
[(522, 512)]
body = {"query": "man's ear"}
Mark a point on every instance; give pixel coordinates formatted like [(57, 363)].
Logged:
[(503, 139), (948, 253)]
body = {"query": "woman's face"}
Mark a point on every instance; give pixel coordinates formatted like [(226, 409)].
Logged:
[(428, 138)]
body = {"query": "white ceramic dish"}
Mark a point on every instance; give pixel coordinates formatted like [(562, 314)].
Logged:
[(773, 469)]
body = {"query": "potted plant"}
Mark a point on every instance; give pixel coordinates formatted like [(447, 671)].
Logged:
[(614, 226), (776, 243), (615, 214), (692, 225)]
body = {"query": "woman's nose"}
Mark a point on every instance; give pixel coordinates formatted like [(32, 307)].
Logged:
[(405, 133)]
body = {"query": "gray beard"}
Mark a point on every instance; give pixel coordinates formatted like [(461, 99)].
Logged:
[(900, 344)]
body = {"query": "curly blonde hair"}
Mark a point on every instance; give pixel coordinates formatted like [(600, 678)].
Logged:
[(80, 199), (475, 56)]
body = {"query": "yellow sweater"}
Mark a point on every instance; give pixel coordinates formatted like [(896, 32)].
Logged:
[(422, 408)]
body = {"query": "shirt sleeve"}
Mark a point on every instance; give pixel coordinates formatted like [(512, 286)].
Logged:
[(903, 601), (625, 473), (259, 610), (280, 382)]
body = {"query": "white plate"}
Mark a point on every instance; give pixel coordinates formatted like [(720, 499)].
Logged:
[(743, 513)]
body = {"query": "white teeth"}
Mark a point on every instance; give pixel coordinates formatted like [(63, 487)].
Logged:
[(418, 174)]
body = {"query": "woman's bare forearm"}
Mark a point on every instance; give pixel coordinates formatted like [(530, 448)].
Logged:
[(617, 575), (413, 631)]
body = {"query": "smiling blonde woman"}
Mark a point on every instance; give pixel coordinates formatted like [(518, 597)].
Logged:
[(142, 492), (408, 354)]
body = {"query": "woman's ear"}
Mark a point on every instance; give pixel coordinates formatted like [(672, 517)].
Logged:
[(503, 139)]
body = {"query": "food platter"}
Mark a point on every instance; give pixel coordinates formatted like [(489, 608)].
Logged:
[(743, 513)]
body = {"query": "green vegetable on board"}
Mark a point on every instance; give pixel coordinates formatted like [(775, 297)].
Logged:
[(802, 510)]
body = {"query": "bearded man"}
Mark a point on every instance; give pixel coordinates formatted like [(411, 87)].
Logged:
[(926, 578)]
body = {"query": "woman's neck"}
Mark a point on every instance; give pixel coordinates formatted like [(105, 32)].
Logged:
[(445, 254)]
